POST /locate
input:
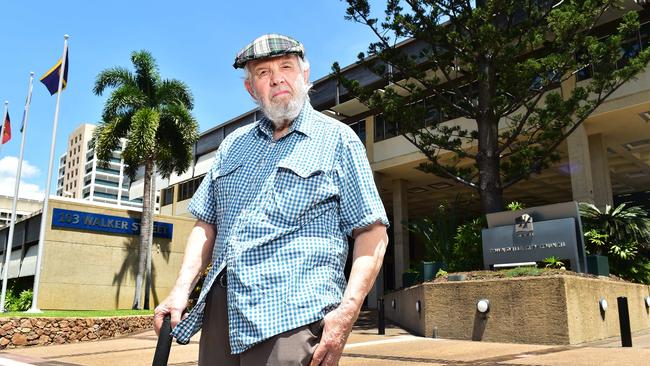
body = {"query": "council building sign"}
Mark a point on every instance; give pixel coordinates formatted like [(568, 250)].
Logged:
[(534, 234), (112, 224)]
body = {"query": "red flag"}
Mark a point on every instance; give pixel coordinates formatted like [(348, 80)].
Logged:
[(7, 132)]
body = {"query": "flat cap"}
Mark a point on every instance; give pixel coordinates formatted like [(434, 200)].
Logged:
[(268, 45)]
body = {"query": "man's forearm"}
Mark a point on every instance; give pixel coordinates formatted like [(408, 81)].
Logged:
[(369, 248), (198, 254)]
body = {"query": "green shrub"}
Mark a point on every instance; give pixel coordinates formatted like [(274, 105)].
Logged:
[(554, 262), (523, 271), (621, 233), (467, 251)]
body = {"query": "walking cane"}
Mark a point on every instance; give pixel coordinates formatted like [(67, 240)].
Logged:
[(164, 344)]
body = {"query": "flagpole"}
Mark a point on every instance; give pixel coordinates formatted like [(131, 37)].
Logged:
[(44, 220), (10, 241), (2, 130)]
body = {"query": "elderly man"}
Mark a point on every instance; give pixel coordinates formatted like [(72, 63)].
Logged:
[(274, 213)]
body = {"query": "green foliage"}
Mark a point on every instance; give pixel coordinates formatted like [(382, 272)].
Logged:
[(499, 61), (77, 313), (514, 206), (621, 233), (523, 271), (553, 262), (21, 302), (151, 112), (468, 247), (441, 273), (438, 231), (153, 115)]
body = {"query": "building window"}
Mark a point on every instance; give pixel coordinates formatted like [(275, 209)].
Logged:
[(167, 195), (384, 129), (186, 190)]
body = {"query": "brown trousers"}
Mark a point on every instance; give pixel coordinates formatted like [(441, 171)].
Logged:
[(294, 347)]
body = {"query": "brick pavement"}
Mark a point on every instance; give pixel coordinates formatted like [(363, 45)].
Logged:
[(364, 347)]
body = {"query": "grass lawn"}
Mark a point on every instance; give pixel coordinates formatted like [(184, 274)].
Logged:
[(75, 313)]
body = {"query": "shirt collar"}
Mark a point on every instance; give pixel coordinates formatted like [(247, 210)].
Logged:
[(304, 123)]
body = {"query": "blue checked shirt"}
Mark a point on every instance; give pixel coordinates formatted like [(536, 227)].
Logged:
[(282, 210)]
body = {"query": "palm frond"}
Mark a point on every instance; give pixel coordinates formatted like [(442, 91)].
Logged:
[(112, 77), (175, 92), (147, 76), (124, 99), (177, 133), (106, 138)]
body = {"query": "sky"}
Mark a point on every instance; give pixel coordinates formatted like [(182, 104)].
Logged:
[(192, 41)]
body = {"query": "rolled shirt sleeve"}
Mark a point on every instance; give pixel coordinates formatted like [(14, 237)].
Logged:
[(359, 200)]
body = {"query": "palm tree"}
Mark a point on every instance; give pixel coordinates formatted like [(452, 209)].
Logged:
[(153, 115)]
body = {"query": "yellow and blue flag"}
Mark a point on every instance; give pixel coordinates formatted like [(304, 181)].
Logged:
[(51, 78)]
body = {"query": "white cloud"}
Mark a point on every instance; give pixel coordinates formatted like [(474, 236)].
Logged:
[(8, 166)]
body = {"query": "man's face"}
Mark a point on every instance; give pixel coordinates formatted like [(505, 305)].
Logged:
[(278, 85)]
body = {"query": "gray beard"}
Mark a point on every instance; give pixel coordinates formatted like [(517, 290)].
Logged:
[(282, 115)]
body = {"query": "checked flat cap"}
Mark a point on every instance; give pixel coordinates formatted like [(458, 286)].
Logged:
[(268, 45)]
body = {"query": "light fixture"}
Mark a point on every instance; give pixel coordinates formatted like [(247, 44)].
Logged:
[(647, 301), (483, 305), (603, 304), (417, 306), (392, 304)]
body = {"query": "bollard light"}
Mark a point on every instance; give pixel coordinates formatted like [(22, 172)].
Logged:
[(647, 301), (483, 305), (392, 304), (603, 304), (417, 306)]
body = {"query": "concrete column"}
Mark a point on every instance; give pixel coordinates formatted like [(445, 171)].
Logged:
[(370, 138), (401, 233), (582, 185), (601, 179)]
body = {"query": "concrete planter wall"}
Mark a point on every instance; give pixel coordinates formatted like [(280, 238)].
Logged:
[(540, 310), (19, 332)]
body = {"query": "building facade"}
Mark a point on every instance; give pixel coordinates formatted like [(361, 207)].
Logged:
[(605, 161), (82, 177), (24, 207), (90, 254)]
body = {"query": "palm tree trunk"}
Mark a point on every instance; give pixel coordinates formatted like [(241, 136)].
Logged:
[(145, 229), (149, 279)]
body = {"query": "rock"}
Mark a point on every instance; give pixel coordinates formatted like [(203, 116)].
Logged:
[(63, 324), (7, 326), (26, 330), (42, 339), (59, 340), (40, 324), (25, 323), (4, 342), (19, 339)]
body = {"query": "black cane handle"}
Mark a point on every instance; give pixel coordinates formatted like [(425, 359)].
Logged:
[(164, 344)]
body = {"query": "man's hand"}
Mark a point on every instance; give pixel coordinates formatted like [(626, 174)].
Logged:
[(173, 305), (337, 327)]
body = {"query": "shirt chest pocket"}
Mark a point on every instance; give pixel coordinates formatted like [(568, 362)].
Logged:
[(301, 192), (227, 183)]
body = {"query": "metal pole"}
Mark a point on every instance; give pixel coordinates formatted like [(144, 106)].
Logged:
[(624, 321), (381, 321), (41, 236), (10, 240)]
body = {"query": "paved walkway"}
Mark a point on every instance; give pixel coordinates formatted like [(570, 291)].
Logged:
[(364, 347)]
